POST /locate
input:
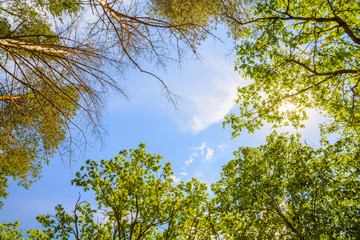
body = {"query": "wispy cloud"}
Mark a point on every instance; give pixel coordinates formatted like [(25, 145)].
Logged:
[(209, 153), (222, 147), (200, 148), (210, 94), (188, 162), (203, 151)]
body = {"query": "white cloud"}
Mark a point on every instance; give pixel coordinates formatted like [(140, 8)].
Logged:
[(197, 151), (188, 162), (208, 91), (202, 151), (212, 104), (209, 153), (207, 88), (183, 174), (201, 148)]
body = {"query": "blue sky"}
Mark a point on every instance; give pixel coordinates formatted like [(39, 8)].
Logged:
[(191, 138)]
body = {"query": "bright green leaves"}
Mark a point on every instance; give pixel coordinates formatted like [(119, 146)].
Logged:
[(300, 53), (137, 199), (304, 54), (141, 196), (283, 189), (9, 231), (28, 21), (286, 189), (81, 224)]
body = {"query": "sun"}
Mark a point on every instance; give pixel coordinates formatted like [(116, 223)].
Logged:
[(287, 107)]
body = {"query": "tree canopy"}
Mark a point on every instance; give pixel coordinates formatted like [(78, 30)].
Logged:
[(283, 189), (287, 190), (304, 53), (136, 199), (56, 64)]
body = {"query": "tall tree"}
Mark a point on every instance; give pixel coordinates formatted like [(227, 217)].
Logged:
[(39, 86), (287, 190), (136, 199), (303, 53), (52, 71)]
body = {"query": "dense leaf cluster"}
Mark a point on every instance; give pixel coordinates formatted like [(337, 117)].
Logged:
[(300, 52), (137, 199), (288, 190)]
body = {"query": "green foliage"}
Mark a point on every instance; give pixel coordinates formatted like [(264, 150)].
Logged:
[(9, 231), (29, 20), (36, 104), (282, 189), (303, 53), (137, 199), (35, 135), (61, 7), (288, 190), (199, 16)]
